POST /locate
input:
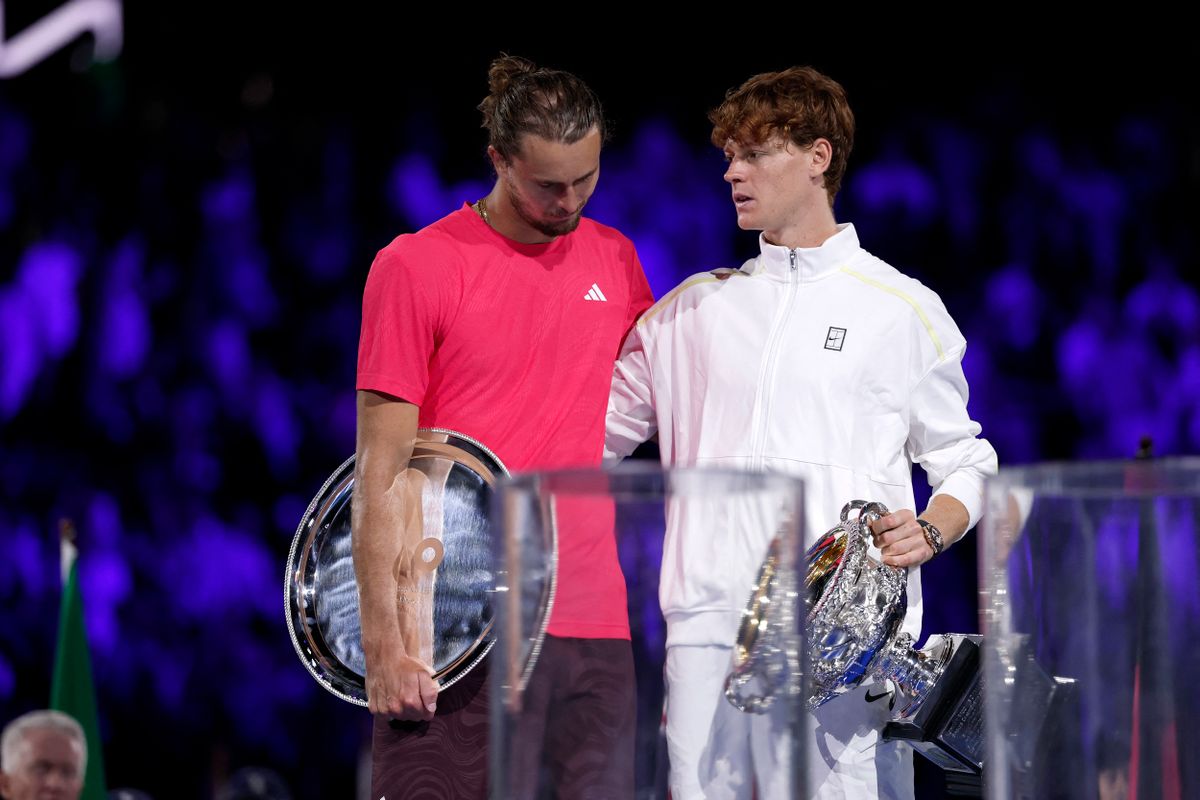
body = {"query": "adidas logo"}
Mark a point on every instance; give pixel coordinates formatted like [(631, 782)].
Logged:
[(595, 294)]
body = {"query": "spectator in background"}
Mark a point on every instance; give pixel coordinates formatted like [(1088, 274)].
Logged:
[(42, 755)]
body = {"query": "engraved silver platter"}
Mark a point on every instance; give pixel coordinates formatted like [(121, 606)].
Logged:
[(320, 593)]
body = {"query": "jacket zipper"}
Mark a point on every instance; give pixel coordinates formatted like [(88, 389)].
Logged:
[(766, 380)]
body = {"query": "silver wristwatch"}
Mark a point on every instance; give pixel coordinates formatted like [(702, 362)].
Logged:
[(933, 537)]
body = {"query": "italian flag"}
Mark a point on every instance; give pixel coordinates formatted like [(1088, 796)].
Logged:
[(73, 691)]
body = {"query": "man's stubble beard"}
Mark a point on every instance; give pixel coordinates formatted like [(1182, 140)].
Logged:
[(561, 228)]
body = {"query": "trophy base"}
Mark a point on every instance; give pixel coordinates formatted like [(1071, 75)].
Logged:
[(946, 723)]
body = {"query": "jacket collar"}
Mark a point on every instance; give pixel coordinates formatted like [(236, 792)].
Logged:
[(811, 262)]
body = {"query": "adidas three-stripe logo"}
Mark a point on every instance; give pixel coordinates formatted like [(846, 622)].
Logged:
[(595, 294)]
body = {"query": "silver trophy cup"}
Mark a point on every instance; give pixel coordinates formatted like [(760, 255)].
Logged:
[(856, 606)]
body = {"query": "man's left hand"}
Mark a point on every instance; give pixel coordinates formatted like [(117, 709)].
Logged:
[(900, 539)]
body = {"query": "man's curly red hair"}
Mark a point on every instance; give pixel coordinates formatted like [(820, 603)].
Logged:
[(799, 103)]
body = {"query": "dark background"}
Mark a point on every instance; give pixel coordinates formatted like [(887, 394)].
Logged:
[(185, 233)]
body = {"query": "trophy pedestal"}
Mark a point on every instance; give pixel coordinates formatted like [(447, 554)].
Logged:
[(1088, 571), (945, 724), (639, 510)]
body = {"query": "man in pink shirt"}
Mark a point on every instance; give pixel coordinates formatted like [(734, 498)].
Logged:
[(502, 321)]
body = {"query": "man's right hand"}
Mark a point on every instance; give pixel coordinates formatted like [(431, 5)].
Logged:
[(386, 523), (400, 686)]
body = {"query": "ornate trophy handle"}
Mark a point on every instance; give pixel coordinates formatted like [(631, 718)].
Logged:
[(868, 512)]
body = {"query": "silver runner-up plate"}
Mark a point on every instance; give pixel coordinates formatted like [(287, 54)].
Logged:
[(456, 482)]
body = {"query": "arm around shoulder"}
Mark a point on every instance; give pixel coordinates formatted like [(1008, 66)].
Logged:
[(631, 417)]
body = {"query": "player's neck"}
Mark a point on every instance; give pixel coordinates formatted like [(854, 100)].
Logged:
[(810, 229), (498, 212)]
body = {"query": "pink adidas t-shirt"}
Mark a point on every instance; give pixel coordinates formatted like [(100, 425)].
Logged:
[(513, 345)]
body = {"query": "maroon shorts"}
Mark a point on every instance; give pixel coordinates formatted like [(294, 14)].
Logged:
[(574, 736)]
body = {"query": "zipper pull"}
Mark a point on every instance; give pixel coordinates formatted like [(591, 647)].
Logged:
[(792, 256)]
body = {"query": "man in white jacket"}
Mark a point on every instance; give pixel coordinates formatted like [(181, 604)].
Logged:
[(819, 360)]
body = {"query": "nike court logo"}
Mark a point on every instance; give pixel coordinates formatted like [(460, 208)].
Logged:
[(595, 294), (871, 698)]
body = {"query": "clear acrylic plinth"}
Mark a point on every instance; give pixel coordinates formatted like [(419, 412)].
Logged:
[(731, 518), (1090, 610)]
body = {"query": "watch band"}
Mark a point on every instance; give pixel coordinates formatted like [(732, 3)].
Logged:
[(933, 537)]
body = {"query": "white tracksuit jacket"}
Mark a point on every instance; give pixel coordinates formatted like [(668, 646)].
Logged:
[(825, 363)]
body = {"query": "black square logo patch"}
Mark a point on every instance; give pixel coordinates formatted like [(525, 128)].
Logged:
[(834, 339)]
